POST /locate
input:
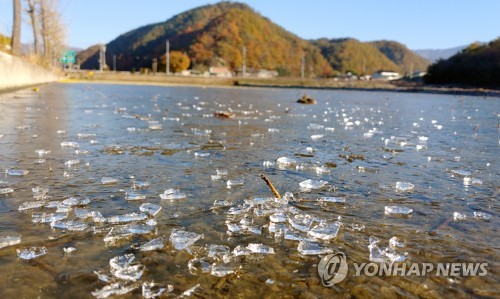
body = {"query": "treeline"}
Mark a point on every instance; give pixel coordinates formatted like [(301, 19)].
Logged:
[(477, 65), (48, 31)]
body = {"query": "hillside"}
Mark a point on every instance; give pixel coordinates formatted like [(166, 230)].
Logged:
[(83, 57), (350, 55), (407, 61), (477, 65), (214, 35)]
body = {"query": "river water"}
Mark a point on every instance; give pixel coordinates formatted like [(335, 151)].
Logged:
[(109, 149)]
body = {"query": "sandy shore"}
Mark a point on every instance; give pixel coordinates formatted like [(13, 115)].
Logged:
[(163, 80)]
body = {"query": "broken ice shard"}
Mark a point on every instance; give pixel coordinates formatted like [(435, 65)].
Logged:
[(152, 245), (325, 231), (312, 184), (150, 208), (31, 253), (171, 194), (397, 210), (404, 186), (307, 247), (9, 241), (127, 217), (183, 239), (260, 248)]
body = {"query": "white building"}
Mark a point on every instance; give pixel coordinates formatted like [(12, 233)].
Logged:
[(386, 75)]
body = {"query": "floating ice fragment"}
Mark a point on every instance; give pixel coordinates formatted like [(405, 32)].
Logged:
[(31, 253), (121, 261), (9, 241), (40, 192), (154, 244), (457, 216), (42, 152), (109, 180), (127, 217), (325, 231), (171, 194), (273, 130), (285, 162), (260, 248), (47, 217), (17, 172), (278, 217), (134, 196), (317, 136), (293, 235), (72, 162), (404, 186), (98, 217), (76, 201), (241, 250), (268, 164), (183, 239), (394, 242), (322, 170), (28, 205), (70, 144), (6, 190), (218, 252), (301, 222), (461, 173), (397, 210), (313, 126), (234, 183), (331, 199), (381, 256), (140, 185), (201, 263), (150, 208), (153, 290), (201, 155), (307, 247), (221, 270), (69, 249), (71, 225), (483, 216), (117, 288), (312, 184), (132, 273)]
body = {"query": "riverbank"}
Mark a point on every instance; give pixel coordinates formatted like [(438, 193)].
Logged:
[(331, 83), (16, 72)]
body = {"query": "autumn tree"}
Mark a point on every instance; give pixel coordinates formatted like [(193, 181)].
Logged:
[(32, 12), (179, 61), (52, 31), (15, 42)]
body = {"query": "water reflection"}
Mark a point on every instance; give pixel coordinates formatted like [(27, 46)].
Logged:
[(135, 143)]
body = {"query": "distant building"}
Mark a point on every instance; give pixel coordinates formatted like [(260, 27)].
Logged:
[(418, 74), (266, 74), (220, 71), (386, 75)]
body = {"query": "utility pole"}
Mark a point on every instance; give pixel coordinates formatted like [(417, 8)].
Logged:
[(114, 63), (303, 65), (244, 68), (167, 58)]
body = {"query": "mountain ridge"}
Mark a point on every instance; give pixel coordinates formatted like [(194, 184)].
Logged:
[(215, 34)]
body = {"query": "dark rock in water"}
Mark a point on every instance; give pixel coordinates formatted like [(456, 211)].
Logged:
[(305, 99)]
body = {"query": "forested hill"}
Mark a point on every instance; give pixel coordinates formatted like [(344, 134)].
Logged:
[(407, 60), (362, 58), (477, 65), (214, 35)]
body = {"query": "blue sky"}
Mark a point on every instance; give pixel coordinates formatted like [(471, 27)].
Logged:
[(419, 24)]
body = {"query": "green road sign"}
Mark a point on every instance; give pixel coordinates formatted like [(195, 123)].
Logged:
[(68, 57)]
